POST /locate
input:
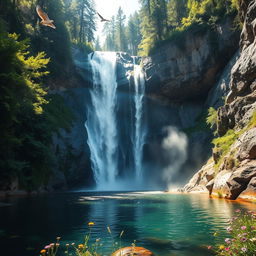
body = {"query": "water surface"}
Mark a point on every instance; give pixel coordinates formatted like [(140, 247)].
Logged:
[(167, 224)]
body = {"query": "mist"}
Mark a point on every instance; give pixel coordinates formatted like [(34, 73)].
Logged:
[(175, 150)]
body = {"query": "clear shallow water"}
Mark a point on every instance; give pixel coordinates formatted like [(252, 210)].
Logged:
[(167, 224)]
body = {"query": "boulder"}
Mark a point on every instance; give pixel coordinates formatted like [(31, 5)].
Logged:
[(132, 251), (240, 179), (248, 147), (198, 182), (209, 186), (220, 187), (250, 192)]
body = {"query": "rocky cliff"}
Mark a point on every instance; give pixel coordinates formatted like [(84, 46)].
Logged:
[(231, 172), (180, 87)]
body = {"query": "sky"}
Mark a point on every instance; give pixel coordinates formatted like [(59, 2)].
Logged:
[(108, 8)]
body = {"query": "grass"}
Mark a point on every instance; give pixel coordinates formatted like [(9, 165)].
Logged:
[(86, 248), (224, 143)]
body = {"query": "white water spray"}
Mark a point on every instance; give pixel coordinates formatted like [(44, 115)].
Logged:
[(140, 131), (101, 122)]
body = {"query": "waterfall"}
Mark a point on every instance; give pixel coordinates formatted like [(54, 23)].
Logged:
[(105, 139), (140, 132), (101, 122)]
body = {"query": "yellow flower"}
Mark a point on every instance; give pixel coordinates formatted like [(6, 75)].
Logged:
[(80, 246), (222, 247), (43, 251), (91, 224)]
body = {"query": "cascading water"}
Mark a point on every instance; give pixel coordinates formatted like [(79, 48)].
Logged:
[(140, 131), (103, 126), (101, 119)]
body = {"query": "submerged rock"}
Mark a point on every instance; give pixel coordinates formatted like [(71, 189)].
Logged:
[(132, 251)]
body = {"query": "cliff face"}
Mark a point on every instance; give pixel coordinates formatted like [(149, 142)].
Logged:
[(233, 171), (180, 87), (187, 68)]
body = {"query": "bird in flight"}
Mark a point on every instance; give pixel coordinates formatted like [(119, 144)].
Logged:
[(102, 19), (45, 19)]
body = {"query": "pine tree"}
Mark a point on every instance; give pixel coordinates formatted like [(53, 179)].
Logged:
[(121, 40)]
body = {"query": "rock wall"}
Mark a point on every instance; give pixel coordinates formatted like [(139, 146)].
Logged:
[(235, 177), (187, 69)]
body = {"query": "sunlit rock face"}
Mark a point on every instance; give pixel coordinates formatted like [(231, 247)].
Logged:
[(237, 170), (188, 68)]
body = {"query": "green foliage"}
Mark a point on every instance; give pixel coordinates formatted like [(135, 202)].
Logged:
[(160, 21), (241, 238), (223, 144), (26, 123), (85, 47), (212, 117), (58, 114)]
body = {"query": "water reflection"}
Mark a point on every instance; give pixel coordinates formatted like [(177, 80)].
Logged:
[(168, 224)]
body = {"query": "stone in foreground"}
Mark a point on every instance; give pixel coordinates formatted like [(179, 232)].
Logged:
[(129, 251)]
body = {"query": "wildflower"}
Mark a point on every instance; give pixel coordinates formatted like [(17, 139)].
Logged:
[(244, 249), (253, 228), (243, 227), (73, 244), (243, 239), (80, 246), (43, 251), (47, 247), (221, 247), (229, 229), (228, 240), (57, 244), (52, 244), (253, 239), (90, 224), (97, 240), (67, 245), (227, 249), (237, 210), (209, 247)]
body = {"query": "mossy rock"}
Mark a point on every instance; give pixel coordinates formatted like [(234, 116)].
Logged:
[(133, 251)]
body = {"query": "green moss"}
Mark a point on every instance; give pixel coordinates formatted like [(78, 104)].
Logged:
[(223, 144)]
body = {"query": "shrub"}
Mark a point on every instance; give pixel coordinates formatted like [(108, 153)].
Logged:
[(212, 117)]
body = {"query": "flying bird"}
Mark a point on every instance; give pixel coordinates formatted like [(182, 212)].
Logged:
[(45, 19), (102, 19)]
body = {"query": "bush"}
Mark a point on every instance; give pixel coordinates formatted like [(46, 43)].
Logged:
[(212, 117), (242, 235)]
